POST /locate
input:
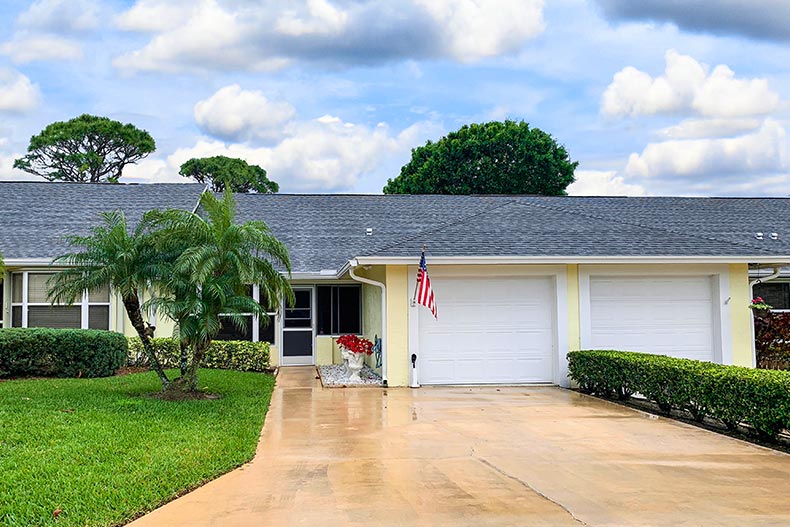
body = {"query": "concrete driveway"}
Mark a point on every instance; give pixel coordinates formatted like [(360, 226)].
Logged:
[(482, 457)]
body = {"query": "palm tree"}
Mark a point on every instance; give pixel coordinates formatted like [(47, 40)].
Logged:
[(110, 256), (213, 261)]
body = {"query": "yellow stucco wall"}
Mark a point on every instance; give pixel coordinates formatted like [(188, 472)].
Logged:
[(165, 326), (324, 350), (741, 316), (274, 355), (574, 322), (396, 281), (371, 308)]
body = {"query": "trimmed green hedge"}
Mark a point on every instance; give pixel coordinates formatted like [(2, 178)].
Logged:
[(731, 394), (45, 352), (240, 355)]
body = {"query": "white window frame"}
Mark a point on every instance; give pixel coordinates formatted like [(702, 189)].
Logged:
[(5, 287), (84, 304), (256, 330), (361, 309), (777, 281)]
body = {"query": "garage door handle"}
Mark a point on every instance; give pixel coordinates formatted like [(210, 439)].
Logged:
[(413, 360)]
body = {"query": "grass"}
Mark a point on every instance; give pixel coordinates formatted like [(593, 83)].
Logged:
[(103, 452)]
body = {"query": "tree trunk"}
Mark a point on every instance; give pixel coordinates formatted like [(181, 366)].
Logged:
[(132, 305), (189, 381), (182, 363)]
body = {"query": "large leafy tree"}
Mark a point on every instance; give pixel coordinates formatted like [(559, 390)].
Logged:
[(229, 173), (113, 256), (215, 259), (491, 158), (86, 149)]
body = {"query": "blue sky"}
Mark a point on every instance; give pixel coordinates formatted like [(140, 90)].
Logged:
[(657, 97)]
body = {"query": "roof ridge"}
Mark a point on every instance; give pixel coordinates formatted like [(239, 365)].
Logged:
[(641, 225), (443, 226)]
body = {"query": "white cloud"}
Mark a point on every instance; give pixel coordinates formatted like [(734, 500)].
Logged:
[(210, 37), (761, 152), (48, 30), (28, 48), (61, 16), (602, 183), (240, 115), (687, 86), (477, 29), (17, 93), (227, 35), (321, 17), (152, 170), (708, 128), (156, 15), (324, 154), (722, 95), (7, 170)]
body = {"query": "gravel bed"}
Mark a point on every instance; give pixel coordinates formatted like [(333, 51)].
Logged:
[(335, 375)]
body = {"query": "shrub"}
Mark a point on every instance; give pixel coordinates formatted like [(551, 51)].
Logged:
[(730, 394), (49, 352), (240, 355), (772, 339)]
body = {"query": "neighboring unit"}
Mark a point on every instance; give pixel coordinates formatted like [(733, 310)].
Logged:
[(519, 280)]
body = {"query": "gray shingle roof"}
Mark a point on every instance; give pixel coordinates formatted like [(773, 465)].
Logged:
[(34, 217), (324, 231)]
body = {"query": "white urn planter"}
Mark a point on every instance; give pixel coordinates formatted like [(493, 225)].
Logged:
[(353, 363)]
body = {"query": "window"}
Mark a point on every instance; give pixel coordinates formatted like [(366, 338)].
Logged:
[(265, 332), (266, 325), (230, 331), (775, 294), (30, 306), (339, 309)]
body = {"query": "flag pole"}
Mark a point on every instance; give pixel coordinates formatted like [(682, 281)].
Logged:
[(416, 284)]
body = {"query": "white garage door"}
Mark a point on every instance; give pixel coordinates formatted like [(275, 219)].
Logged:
[(665, 315), (490, 330)]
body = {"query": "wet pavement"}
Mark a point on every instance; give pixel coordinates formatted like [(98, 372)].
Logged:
[(482, 456)]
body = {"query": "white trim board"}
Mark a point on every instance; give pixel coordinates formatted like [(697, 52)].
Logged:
[(554, 260)]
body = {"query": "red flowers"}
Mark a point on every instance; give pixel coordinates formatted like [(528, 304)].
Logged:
[(758, 304), (355, 344)]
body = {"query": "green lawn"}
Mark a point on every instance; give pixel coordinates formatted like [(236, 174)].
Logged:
[(102, 452)]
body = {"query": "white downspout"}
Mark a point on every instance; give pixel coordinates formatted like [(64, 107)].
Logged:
[(753, 283), (362, 279), (763, 279)]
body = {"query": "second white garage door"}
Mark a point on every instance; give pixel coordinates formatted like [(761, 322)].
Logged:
[(490, 330), (664, 315)]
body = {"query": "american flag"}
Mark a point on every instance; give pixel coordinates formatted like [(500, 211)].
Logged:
[(424, 294)]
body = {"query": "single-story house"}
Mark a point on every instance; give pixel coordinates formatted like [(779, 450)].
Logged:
[(519, 280)]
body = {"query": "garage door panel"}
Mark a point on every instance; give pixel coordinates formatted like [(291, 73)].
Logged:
[(490, 330), (665, 315), (669, 289)]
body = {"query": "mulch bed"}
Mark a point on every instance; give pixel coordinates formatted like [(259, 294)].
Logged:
[(176, 395)]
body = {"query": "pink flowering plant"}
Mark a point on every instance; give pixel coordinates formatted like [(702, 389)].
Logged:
[(759, 304), (355, 344)]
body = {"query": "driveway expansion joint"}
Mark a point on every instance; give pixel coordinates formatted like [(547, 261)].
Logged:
[(530, 487)]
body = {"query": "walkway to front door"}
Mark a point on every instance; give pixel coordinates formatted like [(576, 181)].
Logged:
[(482, 456)]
